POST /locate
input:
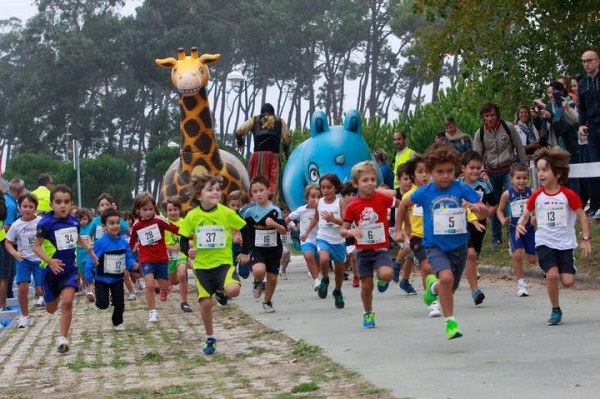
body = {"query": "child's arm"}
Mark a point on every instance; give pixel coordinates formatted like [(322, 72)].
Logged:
[(521, 229), (586, 245), (501, 211), (476, 207), (328, 216), (281, 229), (345, 230), (311, 225), (83, 243), (387, 191), (10, 248), (56, 265), (402, 215)]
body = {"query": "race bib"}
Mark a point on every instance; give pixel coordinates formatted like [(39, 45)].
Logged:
[(552, 215), (210, 237), (173, 254), (285, 239), (29, 240), (265, 238), (517, 208), (149, 235), (66, 238), (448, 221), (99, 233), (372, 233), (417, 211), (114, 263)]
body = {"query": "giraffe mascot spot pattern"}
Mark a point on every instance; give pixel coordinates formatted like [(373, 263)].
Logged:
[(199, 151)]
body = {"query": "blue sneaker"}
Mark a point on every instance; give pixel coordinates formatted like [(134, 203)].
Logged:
[(211, 346), (478, 296), (369, 320), (407, 287), (555, 318), (323, 288), (244, 270), (382, 286)]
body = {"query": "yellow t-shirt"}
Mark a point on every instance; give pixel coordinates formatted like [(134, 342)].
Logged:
[(416, 215), (42, 194), (173, 239)]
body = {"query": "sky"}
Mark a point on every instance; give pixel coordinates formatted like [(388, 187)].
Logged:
[(23, 9)]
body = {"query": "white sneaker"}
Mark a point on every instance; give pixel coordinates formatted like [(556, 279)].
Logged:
[(434, 309), (91, 296), (140, 285), (283, 275), (24, 321), (62, 345), (522, 290), (40, 302), (316, 284), (132, 296), (120, 327), (153, 317)]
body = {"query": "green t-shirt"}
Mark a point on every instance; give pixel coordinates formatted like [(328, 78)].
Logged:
[(172, 240), (212, 234)]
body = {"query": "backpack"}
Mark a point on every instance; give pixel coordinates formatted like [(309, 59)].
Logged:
[(3, 211), (507, 130)]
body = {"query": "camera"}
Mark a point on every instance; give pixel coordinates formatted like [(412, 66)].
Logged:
[(557, 97)]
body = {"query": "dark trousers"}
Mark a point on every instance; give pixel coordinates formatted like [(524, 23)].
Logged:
[(104, 293)]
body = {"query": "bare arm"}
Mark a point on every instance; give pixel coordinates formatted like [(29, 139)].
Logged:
[(501, 211)]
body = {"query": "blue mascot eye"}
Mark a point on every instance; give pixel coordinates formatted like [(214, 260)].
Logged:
[(313, 173)]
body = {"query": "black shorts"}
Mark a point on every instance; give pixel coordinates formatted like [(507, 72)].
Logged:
[(561, 258), (270, 259), (209, 281), (416, 246), (475, 238)]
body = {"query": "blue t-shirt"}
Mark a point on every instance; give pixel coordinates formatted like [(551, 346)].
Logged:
[(388, 175), (12, 209), (60, 239), (82, 254), (108, 245), (432, 198), (96, 230)]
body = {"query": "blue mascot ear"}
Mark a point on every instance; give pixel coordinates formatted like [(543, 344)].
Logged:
[(353, 122), (318, 123)]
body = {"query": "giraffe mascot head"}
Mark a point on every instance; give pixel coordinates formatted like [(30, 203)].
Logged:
[(199, 151)]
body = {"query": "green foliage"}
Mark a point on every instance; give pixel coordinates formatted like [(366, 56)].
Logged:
[(29, 166)]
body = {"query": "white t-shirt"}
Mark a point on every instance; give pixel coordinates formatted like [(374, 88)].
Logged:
[(23, 234), (330, 232), (305, 215)]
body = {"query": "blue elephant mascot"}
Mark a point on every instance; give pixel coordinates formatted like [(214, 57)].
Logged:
[(330, 149)]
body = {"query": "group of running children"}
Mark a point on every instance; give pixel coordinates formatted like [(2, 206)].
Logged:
[(439, 221)]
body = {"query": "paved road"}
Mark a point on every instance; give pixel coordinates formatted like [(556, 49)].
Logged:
[(507, 350)]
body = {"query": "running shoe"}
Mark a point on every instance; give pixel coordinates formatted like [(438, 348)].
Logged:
[(283, 275), (382, 286), (434, 309), (257, 291), (555, 318), (407, 287), (185, 307), (132, 296), (338, 299), (153, 318), (478, 296), (24, 321), (263, 285), (369, 320), (163, 296), (323, 288), (316, 283), (222, 298), (210, 346), (120, 327), (452, 330), (355, 282), (268, 307), (40, 303), (62, 345), (522, 290), (90, 296), (428, 296)]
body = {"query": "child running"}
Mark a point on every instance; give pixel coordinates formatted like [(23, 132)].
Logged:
[(114, 257), (58, 233), (22, 233), (236, 201), (262, 239), (211, 224), (369, 213), (149, 230), (513, 202), (177, 259), (556, 208), (349, 192), (471, 165), (403, 261), (84, 215), (444, 227), (308, 242), (286, 242)]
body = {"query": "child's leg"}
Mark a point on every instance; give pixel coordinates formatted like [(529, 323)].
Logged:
[(127, 280), (552, 279), (23, 291), (182, 278), (425, 270), (366, 293), (118, 300), (471, 269), (352, 259), (285, 260), (339, 269), (311, 263), (102, 295), (149, 291), (271, 285), (445, 290), (385, 273), (67, 294), (258, 271), (163, 284), (407, 268), (232, 290), (324, 260), (206, 305), (518, 255)]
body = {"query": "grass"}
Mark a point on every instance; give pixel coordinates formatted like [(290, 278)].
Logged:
[(264, 333), (152, 357), (305, 350), (305, 387)]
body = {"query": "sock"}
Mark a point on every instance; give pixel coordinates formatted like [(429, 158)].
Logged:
[(521, 281), (431, 288), (447, 319), (211, 336), (556, 309)]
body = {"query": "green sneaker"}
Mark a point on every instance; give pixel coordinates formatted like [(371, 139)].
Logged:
[(428, 297), (452, 330), (368, 320)]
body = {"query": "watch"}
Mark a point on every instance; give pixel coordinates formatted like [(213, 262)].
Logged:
[(586, 238)]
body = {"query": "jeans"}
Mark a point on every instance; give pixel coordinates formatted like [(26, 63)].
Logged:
[(500, 182), (593, 150)]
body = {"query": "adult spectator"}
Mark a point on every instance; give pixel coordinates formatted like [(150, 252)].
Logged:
[(16, 187), (403, 153), (530, 137), (5, 269), (588, 105), (381, 157), (498, 142), (268, 131), (42, 193), (574, 87), (459, 140)]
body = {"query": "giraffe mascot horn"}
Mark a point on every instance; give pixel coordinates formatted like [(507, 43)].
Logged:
[(199, 151)]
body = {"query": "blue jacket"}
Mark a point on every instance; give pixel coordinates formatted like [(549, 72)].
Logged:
[(104, 246)]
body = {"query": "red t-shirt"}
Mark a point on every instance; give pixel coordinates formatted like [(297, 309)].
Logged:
[(151, 235), (370, 215)]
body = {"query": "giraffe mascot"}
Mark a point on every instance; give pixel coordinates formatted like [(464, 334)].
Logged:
[(199, 151)]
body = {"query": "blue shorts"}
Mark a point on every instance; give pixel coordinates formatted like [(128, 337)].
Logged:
[(526, 242), (453, 260), (53, 284), (310, 247), (337, 252), (160, 270), (368, 260), (25, 269)]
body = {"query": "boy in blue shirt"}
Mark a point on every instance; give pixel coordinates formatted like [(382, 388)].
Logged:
[(56, 238), (445, 227), (114, 257)]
